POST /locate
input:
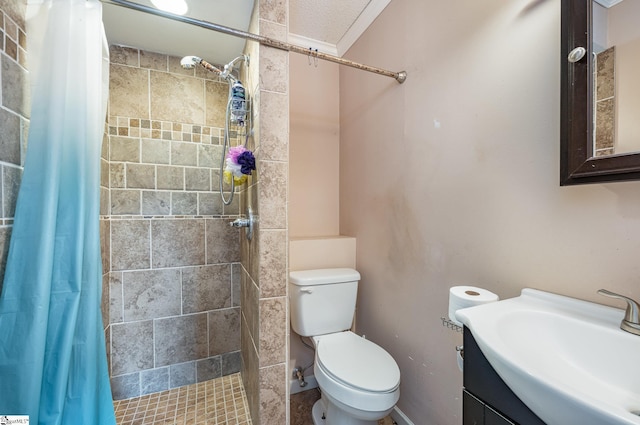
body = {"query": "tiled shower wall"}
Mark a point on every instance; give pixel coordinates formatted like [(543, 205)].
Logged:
[(264, 258), (172, 259), (14, 115), (149, 257)]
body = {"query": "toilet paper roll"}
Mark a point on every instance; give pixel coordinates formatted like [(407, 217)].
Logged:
[(467, 296)]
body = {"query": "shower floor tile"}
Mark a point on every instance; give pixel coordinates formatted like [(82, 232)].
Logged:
[(216, 402)]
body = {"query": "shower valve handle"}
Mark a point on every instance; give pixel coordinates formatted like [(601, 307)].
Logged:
[(240, 222), (248, 222)]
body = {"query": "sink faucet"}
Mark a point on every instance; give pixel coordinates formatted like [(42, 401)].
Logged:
[(631, 321)]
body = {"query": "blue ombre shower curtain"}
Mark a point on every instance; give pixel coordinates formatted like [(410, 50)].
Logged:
[(53, 364)]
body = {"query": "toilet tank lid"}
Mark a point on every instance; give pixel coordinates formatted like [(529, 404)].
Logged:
[(323, 276)]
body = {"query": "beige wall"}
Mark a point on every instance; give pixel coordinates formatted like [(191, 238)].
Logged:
[(622, 23), (475, 199), (624, 33), (314, 133), (314, 179), (627, 97)]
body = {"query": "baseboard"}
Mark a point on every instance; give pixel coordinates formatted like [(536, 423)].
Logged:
[(294, 384), (399, 417)]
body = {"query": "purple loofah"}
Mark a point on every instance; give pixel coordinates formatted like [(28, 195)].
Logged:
[(247, 161)]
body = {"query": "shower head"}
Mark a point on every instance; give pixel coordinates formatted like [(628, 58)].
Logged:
[(189, 62)]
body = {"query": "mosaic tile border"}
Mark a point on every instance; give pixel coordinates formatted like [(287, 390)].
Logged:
[(164, 130), (167, 217)]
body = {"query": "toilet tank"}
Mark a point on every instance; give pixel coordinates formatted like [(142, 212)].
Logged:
[(322, 301)]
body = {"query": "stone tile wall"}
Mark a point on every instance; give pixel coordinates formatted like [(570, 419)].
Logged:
[(173, 280), (14, 115), (265, 258)]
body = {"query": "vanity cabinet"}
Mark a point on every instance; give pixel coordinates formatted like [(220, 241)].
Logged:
[(487, 400), (476, 412)]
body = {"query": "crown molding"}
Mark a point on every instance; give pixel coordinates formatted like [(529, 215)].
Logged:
[(364, 20), (322, 46), (607, 3)]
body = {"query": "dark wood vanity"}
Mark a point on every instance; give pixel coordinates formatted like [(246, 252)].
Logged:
[(487, 400)]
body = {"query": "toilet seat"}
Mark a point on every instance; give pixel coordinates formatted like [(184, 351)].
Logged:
[(357, 362)]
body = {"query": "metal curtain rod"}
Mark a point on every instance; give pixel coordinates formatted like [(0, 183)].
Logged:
[(400, 77)]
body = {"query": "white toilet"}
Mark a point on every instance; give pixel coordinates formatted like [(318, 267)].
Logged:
[(359, 381)]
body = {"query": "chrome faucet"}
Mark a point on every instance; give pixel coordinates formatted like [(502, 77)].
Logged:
[(240, 222), (248, 222), (631, 321)]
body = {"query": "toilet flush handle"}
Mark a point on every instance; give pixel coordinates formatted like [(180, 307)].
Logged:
[(307, 290)]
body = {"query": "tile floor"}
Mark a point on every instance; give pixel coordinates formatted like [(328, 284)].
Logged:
[(302, 403), (221, 401)]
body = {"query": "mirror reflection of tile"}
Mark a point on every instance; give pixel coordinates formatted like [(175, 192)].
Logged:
[(604, 100)]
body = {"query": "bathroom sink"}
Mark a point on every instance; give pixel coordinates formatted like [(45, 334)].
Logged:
[(566, 359)]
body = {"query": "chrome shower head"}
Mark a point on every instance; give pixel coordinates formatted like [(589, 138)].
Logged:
[(189, 62)]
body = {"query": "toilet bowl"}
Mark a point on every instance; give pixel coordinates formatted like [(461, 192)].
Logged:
[(359, 380)]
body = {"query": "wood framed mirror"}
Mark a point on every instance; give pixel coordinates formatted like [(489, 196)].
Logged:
[(582, 159)]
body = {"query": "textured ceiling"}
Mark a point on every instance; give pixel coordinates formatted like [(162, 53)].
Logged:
[(328, 25), (325, 20)]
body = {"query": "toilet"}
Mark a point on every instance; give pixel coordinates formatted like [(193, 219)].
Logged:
[(359, 380)]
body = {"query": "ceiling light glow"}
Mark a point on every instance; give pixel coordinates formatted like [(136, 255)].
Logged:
[(179, 7)]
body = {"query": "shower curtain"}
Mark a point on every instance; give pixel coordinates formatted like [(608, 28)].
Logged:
[(53, 364)]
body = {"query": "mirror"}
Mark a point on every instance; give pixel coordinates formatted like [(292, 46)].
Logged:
[(600, 136)]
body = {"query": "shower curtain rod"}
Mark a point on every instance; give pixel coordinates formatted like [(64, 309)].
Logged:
[(400, 77)]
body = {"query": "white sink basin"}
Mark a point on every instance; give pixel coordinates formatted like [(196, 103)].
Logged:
[(566, 359)]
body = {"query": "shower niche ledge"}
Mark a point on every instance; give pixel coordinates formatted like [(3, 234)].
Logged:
[(319, 252)]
